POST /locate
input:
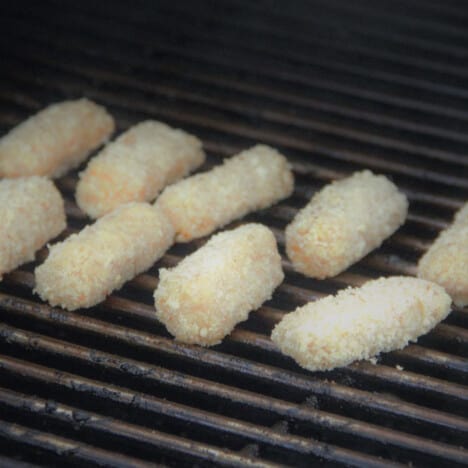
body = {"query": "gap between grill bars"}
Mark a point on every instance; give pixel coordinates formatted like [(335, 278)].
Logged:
[(337, 88)]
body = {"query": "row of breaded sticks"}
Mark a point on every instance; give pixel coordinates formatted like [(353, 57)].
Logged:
[(209, 292)]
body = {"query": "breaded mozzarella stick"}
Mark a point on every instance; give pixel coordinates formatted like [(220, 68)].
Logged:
[(137, 166), (31, 213), (359, 323), (54, 140), (446, 261), (252, 180), (209, 292), (344, 222), (82, 270)]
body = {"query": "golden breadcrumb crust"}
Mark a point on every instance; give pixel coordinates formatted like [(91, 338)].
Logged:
[(82, 270), (344, 222), (31, 213), (252, 180), (55, 140), (209, 292), (446, 261), (359, 323), (137, 166)]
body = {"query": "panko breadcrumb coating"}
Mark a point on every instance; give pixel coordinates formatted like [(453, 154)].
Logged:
[(137, 166), (209, 292), (54, 140), (31, 213), (359, 323), (82, 270), (252, 180), (446, 261), (344, 222)]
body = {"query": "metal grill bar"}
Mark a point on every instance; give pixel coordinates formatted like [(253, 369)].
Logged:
[(376, 402), (275, 139), (410, 38), (232, 28), (140, 436), (268, 67), (451, 11), (414, 25), (254, 90), (134, 368), (231, 36), (428, 385), (273, 116), (296, 29), (66, 449), (423, 357), (162, 408), (109, 385), (292, 97), (402, 240)]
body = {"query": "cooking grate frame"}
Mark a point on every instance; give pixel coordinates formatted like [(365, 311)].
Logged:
[(379, 85)]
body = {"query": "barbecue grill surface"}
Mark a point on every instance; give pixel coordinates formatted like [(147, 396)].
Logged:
[(337, 86)]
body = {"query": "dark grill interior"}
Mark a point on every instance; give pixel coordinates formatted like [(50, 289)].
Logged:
[(336, 86)]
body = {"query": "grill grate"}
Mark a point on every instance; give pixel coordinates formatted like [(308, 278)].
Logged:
[(336, 88)]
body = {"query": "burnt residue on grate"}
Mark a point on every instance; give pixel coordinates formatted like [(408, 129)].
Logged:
[(337, 87)]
